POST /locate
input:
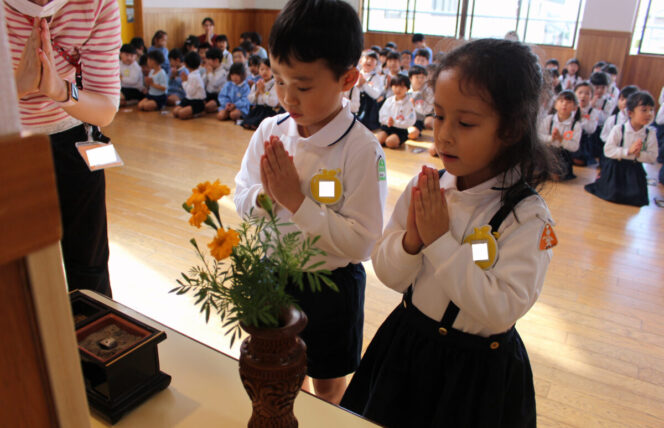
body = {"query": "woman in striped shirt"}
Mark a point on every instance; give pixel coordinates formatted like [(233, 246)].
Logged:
[(56, 46)]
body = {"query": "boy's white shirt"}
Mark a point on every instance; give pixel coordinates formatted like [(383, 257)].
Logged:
[(589, 121), (193, 87), (266, 98), (490, 301), (226, 60), (350, 227), (402, 111), (570, 144), (374, 85), (612, 121), (422, 101), (215, 80), (605, 108), (131, 76), (613, 150)]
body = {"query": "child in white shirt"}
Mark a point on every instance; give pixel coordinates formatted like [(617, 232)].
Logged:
[(371, 86), (562, 131), (421, 95), (263, 97), (194, 101), (397, 114), (131, 76), (215, 78)]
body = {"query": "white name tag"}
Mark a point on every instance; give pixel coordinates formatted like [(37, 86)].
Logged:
[(480, 251), (99, 155)]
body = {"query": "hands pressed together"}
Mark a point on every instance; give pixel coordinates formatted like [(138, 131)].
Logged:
[(279, 176), (36, 71), (428, 216), (636, 147)]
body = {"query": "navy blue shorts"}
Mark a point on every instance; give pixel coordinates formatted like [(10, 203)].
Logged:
[(132, 94), (197, 106), (334, 332), (399, 132), (159, 99), (212, 96), (419, 124)]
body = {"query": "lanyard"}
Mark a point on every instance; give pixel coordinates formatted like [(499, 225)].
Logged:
[(74, 61)]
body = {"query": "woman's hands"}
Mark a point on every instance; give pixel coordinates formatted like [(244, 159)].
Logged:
[(51, 85)]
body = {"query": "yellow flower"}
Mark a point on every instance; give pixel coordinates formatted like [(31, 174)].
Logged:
[(199, 213), (216, 191), (222, 245)]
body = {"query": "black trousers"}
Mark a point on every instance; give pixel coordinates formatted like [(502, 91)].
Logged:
[(82, 196)]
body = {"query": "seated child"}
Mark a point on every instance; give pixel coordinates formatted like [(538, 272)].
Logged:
[(234, 97), (422, 58), (619, 114), (240, 56), (254, 74), (371, 86), (194, 101), (392, 68), (552, 64), (215, 78), (320, 132), (613, 91), (449, 354), (421, 95), (396, 114), (221, 42), (139, 44), (589, 124), (175, 90), (571, 74), (131, 77), (202, 52), (159, 43), (562, 131), (405, 59), (156, 83), (263, 97), (604, 105), (623, 179)]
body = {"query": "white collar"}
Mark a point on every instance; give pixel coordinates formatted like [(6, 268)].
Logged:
[(329, 134)]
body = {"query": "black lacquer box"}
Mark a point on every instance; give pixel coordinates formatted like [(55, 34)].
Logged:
[(119, 357)]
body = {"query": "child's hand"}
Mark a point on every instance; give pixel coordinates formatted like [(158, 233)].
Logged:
[(636, 147), (390, 122), (184, 76), (228, 107), (412, 243), (260, 86), (431, 214), (361, 81), (281, 175), (231, 106), (556, 135), (148, 81)]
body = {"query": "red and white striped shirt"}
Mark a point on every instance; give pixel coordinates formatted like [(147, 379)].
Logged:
[(90, 26)]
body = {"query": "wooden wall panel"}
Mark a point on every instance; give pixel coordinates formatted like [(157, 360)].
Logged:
[(596, 45), (645, 71), (180, 23)]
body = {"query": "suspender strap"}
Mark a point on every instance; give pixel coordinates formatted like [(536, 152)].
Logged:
[(622, 134)]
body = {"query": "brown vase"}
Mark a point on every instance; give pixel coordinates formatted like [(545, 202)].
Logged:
[(273, 363)]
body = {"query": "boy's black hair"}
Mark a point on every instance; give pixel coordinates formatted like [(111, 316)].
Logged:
[(176, 54), (372, 54), (400, 80), (568, 95), (640, 98), (424, 53), (573, 61), (610, 69), (256, 38), (214, 53), (628, 90), (375, 48), (585, 83), (204, 45), (245, 36), (265, 61), (391, 45), (192, 60), (248, 46), (221, 38), (599, 78), (143, 60), (254, 60), (416, 69), (393, 55), (553, 72), (508, 76), (309, 30), (406, 52), (128, 49), (157, 56), (237, 68), (138, 43), (240, 49), (599, 64), (417, 37), (552, 61), (158, 35), (384, 52), (206, 19)]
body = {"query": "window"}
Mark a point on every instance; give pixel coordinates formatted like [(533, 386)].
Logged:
[(649, 33), (553, 22)]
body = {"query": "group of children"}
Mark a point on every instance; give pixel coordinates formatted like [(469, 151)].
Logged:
[(594, 122), (200, 78), (467, 246)]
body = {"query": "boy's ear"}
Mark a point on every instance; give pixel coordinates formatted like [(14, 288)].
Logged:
[(349, 78)]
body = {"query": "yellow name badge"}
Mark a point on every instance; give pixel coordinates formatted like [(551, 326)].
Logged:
[(483, 245), (326, 187)]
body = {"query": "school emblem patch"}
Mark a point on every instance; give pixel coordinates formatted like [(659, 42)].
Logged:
[(548, 239)]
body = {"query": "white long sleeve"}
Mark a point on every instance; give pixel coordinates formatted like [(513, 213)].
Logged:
[(612, 121), (215, 80), (571, 137), (490, 301), (589, 120), (131, 76), (614, 150), (193, 87), (268, 97), (401, 111)]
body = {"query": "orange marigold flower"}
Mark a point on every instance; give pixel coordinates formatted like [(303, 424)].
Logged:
[(199, 214), (216, 191), (222, 244)]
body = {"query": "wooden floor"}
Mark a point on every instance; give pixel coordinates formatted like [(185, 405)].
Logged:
[(595, 337)]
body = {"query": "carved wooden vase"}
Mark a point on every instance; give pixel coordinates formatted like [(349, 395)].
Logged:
[(273, 365)]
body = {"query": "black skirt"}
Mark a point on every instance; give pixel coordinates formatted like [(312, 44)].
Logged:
[(412, 376), (368, 112), (565, 164), (257, 114), (621, 181), (585, 150), (399, 132)]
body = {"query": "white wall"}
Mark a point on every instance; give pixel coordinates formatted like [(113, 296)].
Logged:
[(227, 4), (610, 15)]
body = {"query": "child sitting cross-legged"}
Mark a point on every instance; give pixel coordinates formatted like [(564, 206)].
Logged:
[(396, 114), (194, 101)]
